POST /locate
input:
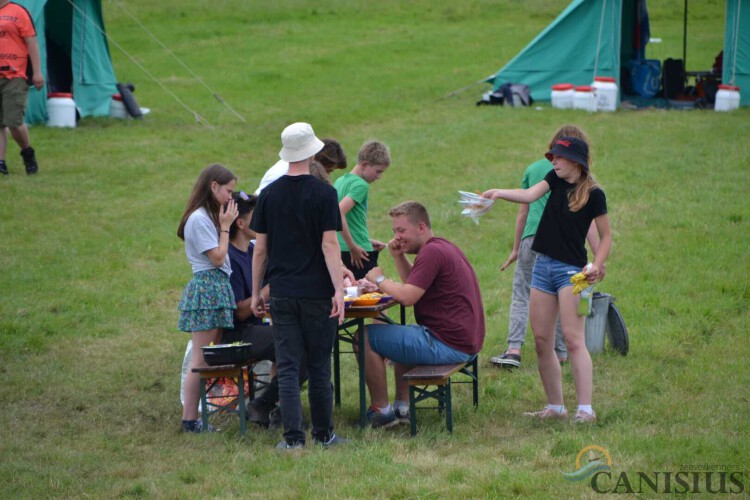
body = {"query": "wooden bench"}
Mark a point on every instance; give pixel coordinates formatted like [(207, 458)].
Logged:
[(420, 378), (213, 374)]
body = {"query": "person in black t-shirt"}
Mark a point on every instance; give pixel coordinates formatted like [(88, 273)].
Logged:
[(296, 220), (575, 201)]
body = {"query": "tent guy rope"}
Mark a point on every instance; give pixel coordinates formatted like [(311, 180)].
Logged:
[(198, 117), (169, 51)]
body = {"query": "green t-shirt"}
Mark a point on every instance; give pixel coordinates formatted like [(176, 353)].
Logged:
[(356, 188), (534, 174)]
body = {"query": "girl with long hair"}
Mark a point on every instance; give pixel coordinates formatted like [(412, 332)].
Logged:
[(575, 201), (207, 304)]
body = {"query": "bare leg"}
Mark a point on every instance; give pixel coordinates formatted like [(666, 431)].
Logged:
[(543, 312), (21, 136), (3, 142), (402, 388), (192, 380), (375, 375), (573, 331)]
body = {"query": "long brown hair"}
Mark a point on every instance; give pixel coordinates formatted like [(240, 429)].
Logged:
[(578, 197), (202, 196)]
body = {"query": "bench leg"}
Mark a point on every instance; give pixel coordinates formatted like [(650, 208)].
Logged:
[(412, 411), (204, 403), (448, 406), (475, 381), (241, 408)]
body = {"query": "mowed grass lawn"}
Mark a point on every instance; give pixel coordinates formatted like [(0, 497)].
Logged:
[(92, 269)]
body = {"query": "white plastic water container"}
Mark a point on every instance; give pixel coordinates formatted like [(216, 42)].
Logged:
[(117, 107), (61, 110), (584, 98), (562, 95), (605, 90), (727, 98)]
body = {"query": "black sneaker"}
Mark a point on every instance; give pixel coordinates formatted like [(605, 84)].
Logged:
[(381, 420), (29, 160), (3, 167)]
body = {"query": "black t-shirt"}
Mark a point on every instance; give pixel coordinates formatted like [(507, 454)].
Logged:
[(294, 212), (561, 233)]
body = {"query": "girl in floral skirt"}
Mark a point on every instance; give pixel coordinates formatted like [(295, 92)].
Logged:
[(207, 303)]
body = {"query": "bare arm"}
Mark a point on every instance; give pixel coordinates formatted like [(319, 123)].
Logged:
[(597, 272), (36, 62), (519, 195), (593, 238), (523, 214), (332, 254), (405, 294), (358, 254), (226, 216), (260, 259)]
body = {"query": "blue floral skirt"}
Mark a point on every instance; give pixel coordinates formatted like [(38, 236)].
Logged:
[(207, 302)]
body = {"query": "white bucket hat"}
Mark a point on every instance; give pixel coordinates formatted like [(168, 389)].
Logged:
[(299, 142)]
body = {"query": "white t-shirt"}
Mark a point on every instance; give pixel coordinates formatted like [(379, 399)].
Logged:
[(200, 236), (280, 168)]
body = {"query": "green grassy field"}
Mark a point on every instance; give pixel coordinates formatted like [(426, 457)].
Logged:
[(92, 268)]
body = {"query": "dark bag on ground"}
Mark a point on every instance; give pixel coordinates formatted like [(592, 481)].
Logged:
[(673, 78), (510, 94)]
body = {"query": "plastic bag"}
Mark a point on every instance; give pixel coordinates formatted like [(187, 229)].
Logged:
[(474, 205)]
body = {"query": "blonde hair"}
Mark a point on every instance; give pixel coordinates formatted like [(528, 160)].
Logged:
[(414, 211), (374, 153), (579, 196)]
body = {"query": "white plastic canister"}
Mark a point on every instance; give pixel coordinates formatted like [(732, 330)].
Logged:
[(61, 110), (605, 89), (117, 107), (584, 98), (562, 95), (727, 98)]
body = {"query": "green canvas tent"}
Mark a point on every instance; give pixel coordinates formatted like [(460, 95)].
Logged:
[(75, 56), (598, 37)]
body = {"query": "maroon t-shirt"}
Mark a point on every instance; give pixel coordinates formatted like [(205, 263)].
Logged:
[(451, 306)]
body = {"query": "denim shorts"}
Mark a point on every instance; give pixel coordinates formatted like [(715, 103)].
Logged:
[(550, 275), (412, 345)]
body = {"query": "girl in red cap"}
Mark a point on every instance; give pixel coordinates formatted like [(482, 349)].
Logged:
[(575, 201)]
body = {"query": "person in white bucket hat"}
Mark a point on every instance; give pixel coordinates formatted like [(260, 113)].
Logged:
[(295, 220), (299, 142)]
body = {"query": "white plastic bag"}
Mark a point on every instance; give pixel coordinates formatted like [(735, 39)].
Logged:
[(474, 205)]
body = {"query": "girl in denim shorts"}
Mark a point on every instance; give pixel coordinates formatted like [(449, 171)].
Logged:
[(207, 304), (575, 201)]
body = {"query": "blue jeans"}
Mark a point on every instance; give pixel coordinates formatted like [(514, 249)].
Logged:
[(412, 345), (302, 330), (550, 275)]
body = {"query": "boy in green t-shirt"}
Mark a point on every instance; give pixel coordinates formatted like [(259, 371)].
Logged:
[(358, 252)]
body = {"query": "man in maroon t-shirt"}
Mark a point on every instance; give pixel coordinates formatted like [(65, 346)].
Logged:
[(443, 288)]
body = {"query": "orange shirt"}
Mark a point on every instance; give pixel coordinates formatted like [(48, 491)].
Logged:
[(15, 26)]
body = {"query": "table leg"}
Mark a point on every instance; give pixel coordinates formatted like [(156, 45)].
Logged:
[(336, 371), (362, 382)]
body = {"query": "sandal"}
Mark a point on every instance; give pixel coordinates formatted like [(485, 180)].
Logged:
[(507, 360)]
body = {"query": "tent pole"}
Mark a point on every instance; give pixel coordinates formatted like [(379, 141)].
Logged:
[(684, 36)]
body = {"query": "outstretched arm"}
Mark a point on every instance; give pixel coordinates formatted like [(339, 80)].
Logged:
[(518, 195)]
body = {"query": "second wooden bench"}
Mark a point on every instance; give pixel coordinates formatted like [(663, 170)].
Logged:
[(421, 378)]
